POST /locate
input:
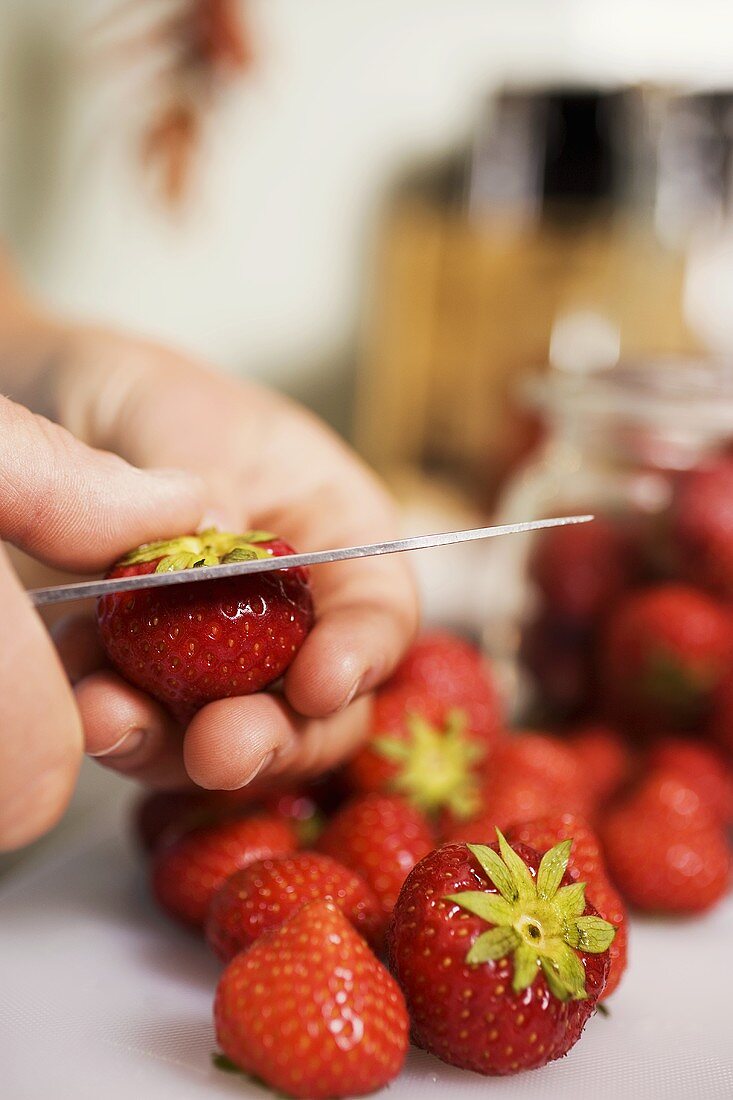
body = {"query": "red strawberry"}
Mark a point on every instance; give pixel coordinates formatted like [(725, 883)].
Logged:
[(581, 569), (379, 837), (486, 945), (454, 672), (701, 768), (298, 807), (310, 1011), (721, 719), (664, 850), (608, 903), (190, 644), (261, 896), (516, 803), (532, 752), (161, 816), (585, 864), (605, 758), (702, 526), (306, 804), (323, 795), (187, 873), (537, 762), (531, 775), (664, 653), (559, 657), (423, 750)]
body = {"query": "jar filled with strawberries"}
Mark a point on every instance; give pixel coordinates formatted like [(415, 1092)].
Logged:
[(629, 616)]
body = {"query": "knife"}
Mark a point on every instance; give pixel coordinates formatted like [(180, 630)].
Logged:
[(82, 590)]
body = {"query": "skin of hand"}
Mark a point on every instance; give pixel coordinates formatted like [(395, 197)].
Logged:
[(55, 503), (255, 460)]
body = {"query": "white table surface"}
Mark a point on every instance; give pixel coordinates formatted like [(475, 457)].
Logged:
[(100, 997)]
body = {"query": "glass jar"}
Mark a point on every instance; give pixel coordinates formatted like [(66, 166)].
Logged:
[(621, 444)]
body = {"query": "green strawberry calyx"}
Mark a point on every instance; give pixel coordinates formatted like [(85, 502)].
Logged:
[(435, 765), (536, 920), (210, 547)]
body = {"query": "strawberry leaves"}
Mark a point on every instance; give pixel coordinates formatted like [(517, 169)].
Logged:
[(537, 921), (490, 907), (435, 765), (526, 965), (518, 869), (571, 899), (591, 934), (552, 868), (210, 547), (496, 871), (493, 945)]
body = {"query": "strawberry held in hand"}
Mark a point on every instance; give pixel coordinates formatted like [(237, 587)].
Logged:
[(190, 644), (310, 1011), (500, 958)]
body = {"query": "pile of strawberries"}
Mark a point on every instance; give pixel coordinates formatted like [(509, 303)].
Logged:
[(455, 882), (490, 869)]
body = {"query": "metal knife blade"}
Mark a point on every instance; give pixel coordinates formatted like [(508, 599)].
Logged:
[(83, 590)]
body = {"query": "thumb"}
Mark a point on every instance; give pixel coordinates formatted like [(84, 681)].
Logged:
[(78, 508)]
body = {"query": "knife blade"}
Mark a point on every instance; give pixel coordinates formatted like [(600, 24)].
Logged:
[(82, 590)]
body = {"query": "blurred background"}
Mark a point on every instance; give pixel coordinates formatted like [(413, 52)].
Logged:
[(365, 163), (424, 218)]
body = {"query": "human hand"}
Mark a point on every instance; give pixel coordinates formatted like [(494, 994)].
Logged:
[(266, 463), (77, 509)]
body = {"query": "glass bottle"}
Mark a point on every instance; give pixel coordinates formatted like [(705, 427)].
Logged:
[(617, 443)]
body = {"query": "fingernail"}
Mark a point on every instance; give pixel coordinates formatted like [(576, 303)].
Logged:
[(367, 682), (351, 694), (129, 743), (266, 759)]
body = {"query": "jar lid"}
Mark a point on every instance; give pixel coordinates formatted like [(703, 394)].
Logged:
[(667, 393)]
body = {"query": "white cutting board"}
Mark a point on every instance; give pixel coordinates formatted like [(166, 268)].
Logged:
[(102, 998)]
